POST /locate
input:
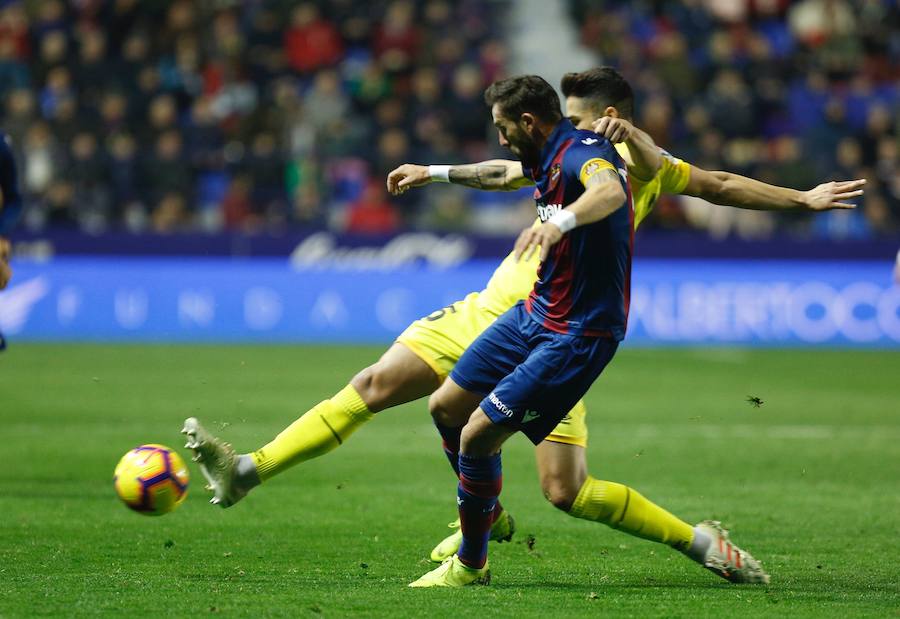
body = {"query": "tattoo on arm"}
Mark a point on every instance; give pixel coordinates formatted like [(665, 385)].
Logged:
[(480, 175)]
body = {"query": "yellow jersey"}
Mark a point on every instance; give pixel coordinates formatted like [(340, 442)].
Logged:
[(512, 281)]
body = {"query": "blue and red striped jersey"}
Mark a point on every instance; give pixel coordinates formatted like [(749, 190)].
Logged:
[(584, 284)]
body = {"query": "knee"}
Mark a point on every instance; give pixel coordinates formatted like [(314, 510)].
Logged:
[(469, 440), (479, 436), (440, 412), (561, 493), (373, 387)]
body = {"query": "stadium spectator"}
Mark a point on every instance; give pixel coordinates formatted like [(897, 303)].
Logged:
[(13, 72), (311, 42), (123, 169), (237, 208), (89, 174), (20, 113), (164, 174), (42, 160), (372, 213), (787, 92), (340, 91)]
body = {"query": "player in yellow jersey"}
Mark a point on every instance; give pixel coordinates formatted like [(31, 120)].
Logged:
[(416, 364)]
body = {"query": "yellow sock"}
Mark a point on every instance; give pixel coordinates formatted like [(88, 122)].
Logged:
[(317, 432), (626, 509)]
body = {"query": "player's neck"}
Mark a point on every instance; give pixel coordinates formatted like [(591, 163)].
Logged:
[(542, 133)]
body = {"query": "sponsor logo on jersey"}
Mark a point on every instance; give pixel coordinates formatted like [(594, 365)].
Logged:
[(546, 211), (530, 416), (589, 141)]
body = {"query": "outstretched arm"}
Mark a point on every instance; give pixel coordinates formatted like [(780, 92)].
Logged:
[(726, 188), (492, 175), (735, 190), (643, 151)]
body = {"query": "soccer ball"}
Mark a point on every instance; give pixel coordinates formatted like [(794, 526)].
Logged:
[(151, 480)]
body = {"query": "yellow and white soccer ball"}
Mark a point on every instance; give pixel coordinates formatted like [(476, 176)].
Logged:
[(151, 479)]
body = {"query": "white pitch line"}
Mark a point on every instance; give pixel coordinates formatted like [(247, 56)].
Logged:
[(745, 431)]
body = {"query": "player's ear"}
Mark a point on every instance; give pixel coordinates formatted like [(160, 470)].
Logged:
[(611, 111), (527, 121)]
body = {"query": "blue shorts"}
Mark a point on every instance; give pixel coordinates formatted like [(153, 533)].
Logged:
[(531, 376)]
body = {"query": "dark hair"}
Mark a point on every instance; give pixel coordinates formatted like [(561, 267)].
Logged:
[(525, 94), (604, 86)]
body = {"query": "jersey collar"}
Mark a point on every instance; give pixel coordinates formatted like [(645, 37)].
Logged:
[(559, 135)]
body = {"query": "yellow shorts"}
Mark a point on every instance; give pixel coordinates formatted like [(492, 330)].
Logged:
[(440, 339)]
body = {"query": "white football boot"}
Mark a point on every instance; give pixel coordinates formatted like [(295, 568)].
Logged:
[(727, 560), (217, 461)]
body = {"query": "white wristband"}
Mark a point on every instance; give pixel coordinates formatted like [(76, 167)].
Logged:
[(440, 173), (564, 220)]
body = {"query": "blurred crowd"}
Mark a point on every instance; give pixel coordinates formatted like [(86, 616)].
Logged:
[(204, 115), (172, 115), (792, 93)]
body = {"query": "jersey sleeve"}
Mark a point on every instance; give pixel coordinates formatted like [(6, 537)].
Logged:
[(588, 157), (673, 174)]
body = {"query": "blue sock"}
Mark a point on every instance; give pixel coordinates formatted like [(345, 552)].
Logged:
[(451, 438), (480, 482)]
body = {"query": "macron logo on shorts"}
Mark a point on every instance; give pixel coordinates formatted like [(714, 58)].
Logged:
[(503, 408)]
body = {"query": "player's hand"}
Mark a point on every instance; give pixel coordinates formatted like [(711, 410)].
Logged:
[(5, 270), (613, 129), (833, 195), (544, 237), (406, 176)]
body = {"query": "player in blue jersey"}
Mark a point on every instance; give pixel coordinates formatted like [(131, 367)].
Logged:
[(10, 210), (529, 368)]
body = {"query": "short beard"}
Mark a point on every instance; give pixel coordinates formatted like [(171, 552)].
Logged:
[(530, 155)]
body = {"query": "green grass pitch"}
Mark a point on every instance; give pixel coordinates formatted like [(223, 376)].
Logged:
[(809, 482)]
